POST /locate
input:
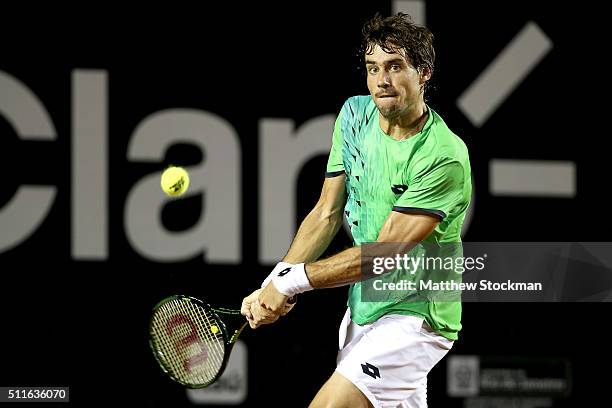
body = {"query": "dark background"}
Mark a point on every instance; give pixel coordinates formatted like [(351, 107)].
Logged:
[(84, 324)]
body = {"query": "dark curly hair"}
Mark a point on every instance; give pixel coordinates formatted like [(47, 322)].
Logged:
[(399, 34)]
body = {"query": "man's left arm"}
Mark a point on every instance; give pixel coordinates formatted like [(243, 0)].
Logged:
[(344, 268)]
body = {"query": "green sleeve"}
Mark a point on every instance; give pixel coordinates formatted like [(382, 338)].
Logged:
[(435, 189), (335, 166)]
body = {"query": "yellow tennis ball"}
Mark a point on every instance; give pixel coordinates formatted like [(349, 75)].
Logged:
[(174, 181), (214, 329)]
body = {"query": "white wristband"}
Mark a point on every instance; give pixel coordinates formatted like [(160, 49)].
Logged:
[(279, 267), (293, 281)]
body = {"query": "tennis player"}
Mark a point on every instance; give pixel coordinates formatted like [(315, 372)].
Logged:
[(399, 175)]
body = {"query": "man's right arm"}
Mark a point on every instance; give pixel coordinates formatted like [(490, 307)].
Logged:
[(313, 237), (321, 224)]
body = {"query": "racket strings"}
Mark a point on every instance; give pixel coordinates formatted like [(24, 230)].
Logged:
[(173, 359), (217, 343), (179, 357), (217, 338), (191, 339)]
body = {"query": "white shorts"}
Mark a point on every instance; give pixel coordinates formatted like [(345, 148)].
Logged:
[(388, 360)]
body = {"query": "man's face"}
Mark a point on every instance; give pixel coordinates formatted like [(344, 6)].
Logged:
[(395, 85)]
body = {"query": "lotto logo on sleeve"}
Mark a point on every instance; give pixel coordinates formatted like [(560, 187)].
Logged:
[(371, 370)]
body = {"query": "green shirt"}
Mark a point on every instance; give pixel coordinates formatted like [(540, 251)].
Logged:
[(425, 173)]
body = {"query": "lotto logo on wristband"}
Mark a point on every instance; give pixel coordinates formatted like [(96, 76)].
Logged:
[(294, 283), (284, 272)]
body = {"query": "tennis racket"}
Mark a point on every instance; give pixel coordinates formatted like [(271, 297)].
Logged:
[(192, 341)]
